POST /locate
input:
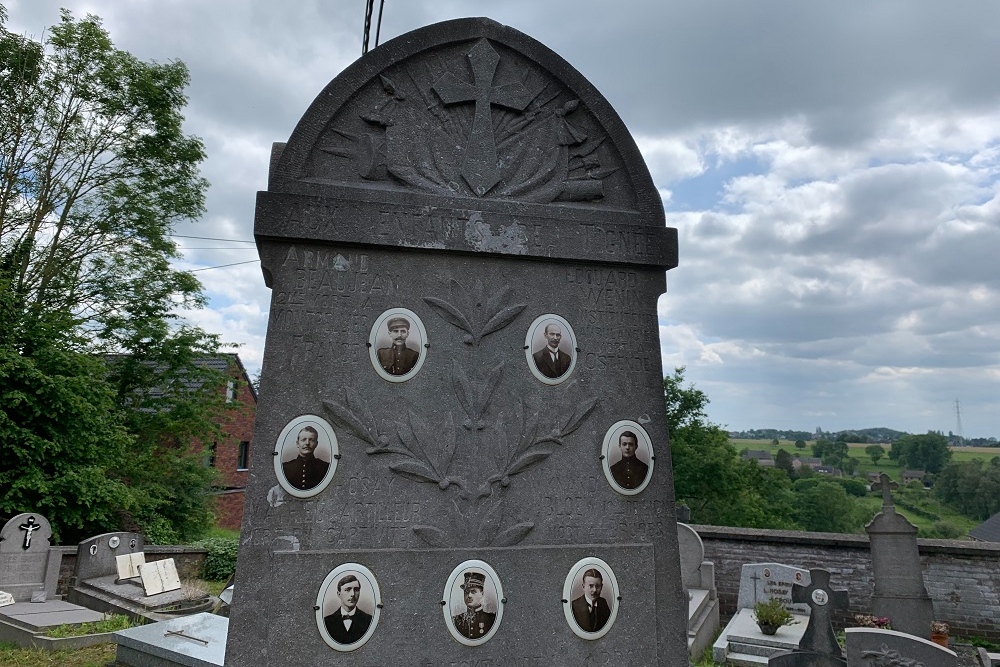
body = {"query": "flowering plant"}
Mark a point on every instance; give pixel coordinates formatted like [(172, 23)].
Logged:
[(872, 621), (939, 627)]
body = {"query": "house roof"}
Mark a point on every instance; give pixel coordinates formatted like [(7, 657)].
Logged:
[(221, 362), (913, 474), (987, 531), (757, 454)]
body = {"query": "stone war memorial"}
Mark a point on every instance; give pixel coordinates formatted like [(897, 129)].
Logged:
[(465, 455)]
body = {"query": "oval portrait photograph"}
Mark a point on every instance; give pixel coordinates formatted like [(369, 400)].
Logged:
[(397, 344), (591, 594), (627, 457), (473, 607), (348, 607), (550, 348), (307, 456)]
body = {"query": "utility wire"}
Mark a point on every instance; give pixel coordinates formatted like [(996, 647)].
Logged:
[(369, 6), (378, 27), (208, 238), (222, 266)]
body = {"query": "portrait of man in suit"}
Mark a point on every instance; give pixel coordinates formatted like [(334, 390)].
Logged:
[(349, 623), (550, 360), (306, 470), (398, 359), (475, 622), (590, 610), (629, 472)]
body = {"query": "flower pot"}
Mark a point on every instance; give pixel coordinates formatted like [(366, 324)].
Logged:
[(940, 638), (767, 628)]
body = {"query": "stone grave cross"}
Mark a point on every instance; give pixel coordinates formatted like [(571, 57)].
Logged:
[(480, 167), (822, 601), (887, 486)]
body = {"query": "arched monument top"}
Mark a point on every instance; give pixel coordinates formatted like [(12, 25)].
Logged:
[(471, 110)]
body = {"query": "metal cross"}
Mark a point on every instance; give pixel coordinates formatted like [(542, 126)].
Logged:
[(28, 527), (755, 578), (480, 168), (822, 601)]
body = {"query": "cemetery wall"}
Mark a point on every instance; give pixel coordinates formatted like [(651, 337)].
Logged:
[(962, 578), (189, 562)]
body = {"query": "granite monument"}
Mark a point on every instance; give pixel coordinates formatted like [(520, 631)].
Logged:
[(464, 249)]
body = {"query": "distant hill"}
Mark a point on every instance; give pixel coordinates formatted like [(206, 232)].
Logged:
[(879, 434)]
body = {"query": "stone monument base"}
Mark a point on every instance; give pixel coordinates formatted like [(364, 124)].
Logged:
[(742, 642), (193, 641), (25, 623)]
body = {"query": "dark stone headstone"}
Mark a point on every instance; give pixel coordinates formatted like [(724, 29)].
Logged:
[(899, 582), (27, 566), (818, 646), (465, 251), (873, 646), (97, 556)]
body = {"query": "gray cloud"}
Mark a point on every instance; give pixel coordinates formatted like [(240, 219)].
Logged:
[(832, 169)]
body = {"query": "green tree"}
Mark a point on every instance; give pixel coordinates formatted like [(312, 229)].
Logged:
[(970, 487), (800, 444), (94, 172), (783, 461), (709, 476), (928, 452), (876, 452), (823, 505)]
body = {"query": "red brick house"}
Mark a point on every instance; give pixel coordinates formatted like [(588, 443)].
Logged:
[(230, 455)]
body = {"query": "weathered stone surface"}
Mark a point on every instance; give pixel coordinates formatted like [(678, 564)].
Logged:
[(469, 180), (871, 646), (98, 556), (899, 581), (27, 566), (760, 582)]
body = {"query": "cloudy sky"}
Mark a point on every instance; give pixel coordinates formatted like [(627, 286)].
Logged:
[(833, 170)]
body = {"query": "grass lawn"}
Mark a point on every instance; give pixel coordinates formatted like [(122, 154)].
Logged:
[(92, 656)]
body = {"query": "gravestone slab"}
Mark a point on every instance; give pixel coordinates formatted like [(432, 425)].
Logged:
[(159, 577), (128, 564), (37, 617), (872, 647), (899, 581), (698, 577), (741, 641), (462, 376), (27, 566), (198, 640), (760, 582), (97, 556)]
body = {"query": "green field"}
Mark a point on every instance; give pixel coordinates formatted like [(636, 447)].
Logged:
[(918, 505)]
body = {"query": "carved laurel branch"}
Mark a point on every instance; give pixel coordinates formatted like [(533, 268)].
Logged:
[(887, 657), (482, 524), (473, 313), (419, 463), (535, 441), (475, 397)]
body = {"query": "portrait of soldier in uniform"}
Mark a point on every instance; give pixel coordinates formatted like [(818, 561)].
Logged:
[(398, 359), (590, 610), (306, 470), (474, 622), (630, 472), (627, 457), (349, 623)]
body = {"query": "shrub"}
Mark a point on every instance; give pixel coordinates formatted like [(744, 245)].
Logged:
[(220, 562)]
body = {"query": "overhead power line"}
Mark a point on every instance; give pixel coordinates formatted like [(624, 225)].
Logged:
[(209, 238), (222, 266)]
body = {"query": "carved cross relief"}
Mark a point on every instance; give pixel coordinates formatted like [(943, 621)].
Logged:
[(479, 168)]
